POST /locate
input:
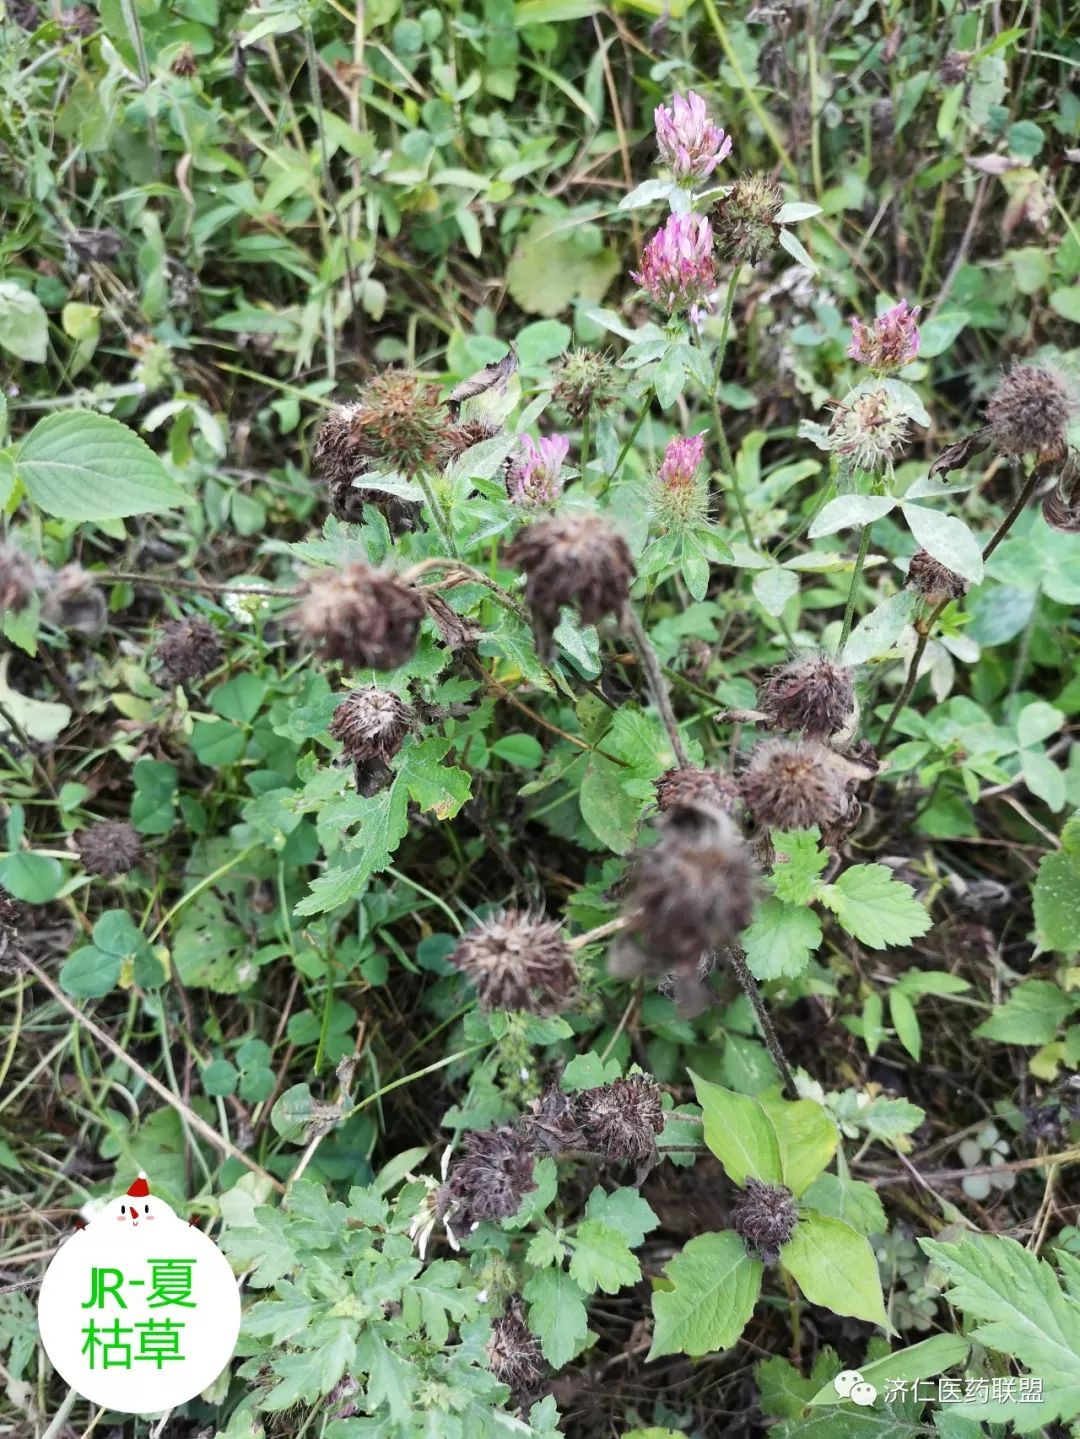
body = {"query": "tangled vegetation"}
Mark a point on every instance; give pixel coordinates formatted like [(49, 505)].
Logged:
[(539, 579)]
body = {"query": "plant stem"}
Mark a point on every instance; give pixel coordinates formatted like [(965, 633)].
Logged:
[(853, 592), (441, 518), (585, 438), (646, 402), (1026, 491), (726, 456), (650, 663), (202, 587), (750, 989)]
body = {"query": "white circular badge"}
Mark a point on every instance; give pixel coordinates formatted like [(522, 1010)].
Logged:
[(139, 1311)]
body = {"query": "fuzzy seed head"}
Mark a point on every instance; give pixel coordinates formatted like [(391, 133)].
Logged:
[(188, 650), (74, 603), (518, 962), (954, 67), (463, 435), (397, 424), (491, 1178), (583, 382), (16, 579), (371, 724), (690, 893), (815, 696), (764, 1217), (930, 578), (360, 616), (513, 1352), (870, 431), (573, 559), (552, 1125), (795, 784), (745, 220), (109, 849), (1030, 411), (185, 64), (621, 1120), (677, 788)]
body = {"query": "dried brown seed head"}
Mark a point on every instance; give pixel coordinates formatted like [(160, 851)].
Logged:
[(74, 603), (363, 617), (931, 579), (1030, 411), (690, 893), (462, 436), (491, 1178), (513, 1352), (371, 723), (745, 222), (188, 650), (109, 849), (184, 63), (518, 962), (552, 1124), (814, 695), (621, 1120), (16, 579), (764, 1217), (795, 784), (954, 67), (396, 425), (696, 786), (572, 559)]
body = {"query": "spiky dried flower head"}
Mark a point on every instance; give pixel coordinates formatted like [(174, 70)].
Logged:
[(517, 961), (461, 436), (535, 476), (690, 893), (1030, 412), (796, 784), (689, 144), (513, 1352), (764, 1217), (74, 603), (745, 220), (813, 695), (584, 381), (17, 579), (695, 786), (679, 494), (552, 1124), (187, 650), (621, 1120), (365, 618), (371, 723), (397, 424), (109, 849), (870, 431), (677, 271), (572, 559), (953, 69), (490, 1179), (890, 342), (931, 579), (184, 63)]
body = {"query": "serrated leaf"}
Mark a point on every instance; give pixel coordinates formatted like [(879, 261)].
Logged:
[(739, 1133), (601, 1258), (835, 1267), (848, 1199), (557, 1315), (919, 1361), (715, 1285), (876, 908), (24, 325), (80, 465), (1032, 1014), (625, 1211), (1056, 897), (799, 861), (780, 940)]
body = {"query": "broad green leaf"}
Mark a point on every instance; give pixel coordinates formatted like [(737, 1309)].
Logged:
[(1032, 1014), (739, 1133), (905, 1022), (780, 939), (715, 1285), (1056, 896), (799, 862), (874, 907), (807, 1136), (606, 808), (555, 263), (623, 1210), (948, 539), (774, 587), (601, 1258), (878, 632), (557, 1315), (24, 326), (835, 1267), (848, 1199), (33, 878), (938, 333), (850, 512), (90, 973), (920, 1361), (80, 465), (1038, 721)]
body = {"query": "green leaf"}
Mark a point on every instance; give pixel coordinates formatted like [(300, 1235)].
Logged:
[(878, 632), (557, 1315), (1019, 1309), (834, 1266), (217, 742), (1032, 1014), (920, 1361), (874, 907), (1066, 302), (848, 1199), (739, 1133), (774, 587), (937, 334), (33, 878), (601, 1258), (555, 263), (948, 539), (905, 1022), (799, 861), (606, 808), (780, 940), (434, 786), (79, 465), (24, 326), (807, 1136), (625, 1211), (850, 512), (715, 1285), (1056, 896), (90, 973)]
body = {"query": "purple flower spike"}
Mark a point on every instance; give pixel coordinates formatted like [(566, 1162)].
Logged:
[(677, 270), (890, 343), (690, 145), (681, 462), (535, 476)]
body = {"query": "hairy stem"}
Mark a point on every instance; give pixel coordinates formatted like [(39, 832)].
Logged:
[(658, 687), (438, 514), (750, 988), (726, 457), (646, 402), (853, 592)]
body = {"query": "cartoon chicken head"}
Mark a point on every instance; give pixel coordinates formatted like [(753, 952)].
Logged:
[(137, 1209)]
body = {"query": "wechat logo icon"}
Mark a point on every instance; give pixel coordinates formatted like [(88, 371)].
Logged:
[(850, 1384)]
